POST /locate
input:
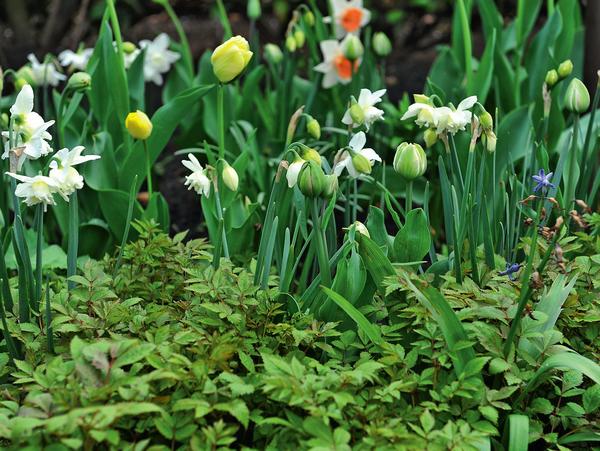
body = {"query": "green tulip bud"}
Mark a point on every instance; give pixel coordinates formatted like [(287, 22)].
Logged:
[(352, 47), (361, 163), (310, 154), (487, 121), (309, 18), (410, 161), (230, 177), (312, 180), (273, 53), (331, 186), (313, 128), (551, 77), (79, 81), (253, 9), (565, 68), (299, 37), (430, 136), (290, 43), (129, 47), (381, 44), (577, 98)]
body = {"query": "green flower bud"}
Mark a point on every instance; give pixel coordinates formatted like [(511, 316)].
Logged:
[(410, 161), (253, 9), (331, 186), (487, 121), (489, 139), (361, 228), (356, 112), (129, 47), (381, 44), (551, 77), (273, 53), (299, 37), (577, 98), (24, 76), (230, 177), (352, 47), (312, 180), (421, 98), (361, 163), (430, 136), (310, 154), (290, 43), (313, 128), (79, 81), (309, 18), (565, 68)]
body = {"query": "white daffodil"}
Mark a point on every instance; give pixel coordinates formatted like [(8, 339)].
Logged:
[(129, 58), (75, 60), (366, 102), (158, 58), (454, 120), (30, 130), (36, 190), (358, 160), (197, 180), (45, 74), (336, 67), (294, 171), (349, 16), (64, 174), (425, 113)]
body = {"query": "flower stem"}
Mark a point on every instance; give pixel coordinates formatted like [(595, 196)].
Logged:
[(322, 254), (39, 225), (148, 169), (409, 195), (221, 218), (221, 120), (73, 239), (355, 204)]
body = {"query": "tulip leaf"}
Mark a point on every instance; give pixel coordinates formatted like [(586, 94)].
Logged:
[(114, 206), (414, 239), (377, 264), (518, 432)]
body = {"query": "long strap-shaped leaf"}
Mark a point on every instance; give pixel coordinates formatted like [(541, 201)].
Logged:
[(566, 361), (518, 432)]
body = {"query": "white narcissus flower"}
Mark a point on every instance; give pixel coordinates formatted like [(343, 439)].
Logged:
[(349, 16), (453, 121), (293, 172), (357, 144), (30, 129), (76, 60), (45, 74), (36, 190), (366, 102), (158, 58), (197, 180), (336, 68), (64, 174), (424, 112)]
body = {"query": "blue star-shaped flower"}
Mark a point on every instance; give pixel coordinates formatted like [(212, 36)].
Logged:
[(511, 269), (543, 182)]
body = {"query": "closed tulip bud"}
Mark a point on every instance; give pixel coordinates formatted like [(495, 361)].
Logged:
[(577, 98), (312, 180), (352, 47), (79, 81), (313, 128), (273, 53), (357, 114), (230, 58), (381, 44), (290, 43), (551, 77), (410, 161), (361, 163), (487, 121), (430, 136), (230, 177), (299, 37), (361, 228), (138, 125), (129, 47), (331, 186), (309, 18), (253, 9), (565, 68)]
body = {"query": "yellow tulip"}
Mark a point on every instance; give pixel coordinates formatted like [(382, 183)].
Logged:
[(138, 125), (230, 58)]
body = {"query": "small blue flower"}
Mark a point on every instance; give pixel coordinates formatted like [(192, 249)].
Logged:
[(543, 181), (511, 269)]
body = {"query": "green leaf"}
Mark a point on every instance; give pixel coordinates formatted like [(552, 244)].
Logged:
[(378, 265), (566, 361), (114, 205), (414, 239), (518, 433)]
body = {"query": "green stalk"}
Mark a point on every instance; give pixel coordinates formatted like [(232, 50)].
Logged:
[(467, 45), (571, 168), (409, 195), (49, 336), (127, 224), (73, 243), (39, 225), (187, 54), (221, 219), (224, 19), (355, 204), (148, 169), (221, 120), (587, 168), (10, 344), (322, 254)]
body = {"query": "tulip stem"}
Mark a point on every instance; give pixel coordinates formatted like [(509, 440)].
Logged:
[(322, 255), (409, 196), (39, 224), (148, 169), (221, 120), (73, 239)]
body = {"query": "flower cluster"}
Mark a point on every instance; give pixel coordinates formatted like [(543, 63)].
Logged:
[(444, 119)]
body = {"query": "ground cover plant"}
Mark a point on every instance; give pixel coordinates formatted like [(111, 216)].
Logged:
[(371, 274)]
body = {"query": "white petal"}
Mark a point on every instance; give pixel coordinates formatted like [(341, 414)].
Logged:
[(347, 119), (358, 141), (467, 103), (24, 102), (339, 167), (293, 172), (370, 155), (330, 49)]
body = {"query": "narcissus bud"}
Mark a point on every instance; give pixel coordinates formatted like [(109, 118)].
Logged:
[(430, 136), (79, 81), (310, 154), (352, 47), (230, 58), (313, 128), (230, 177), (312, 180), (410, 161), (253, 9), (361, 228), (273, 53), (129, 47), (309, 18), (565, 68), (487, 121), (361, 163), (24, 76), (138, 125), (421, 98), (356, 112), (299, 37), (331, 186), (551, 77), (381, 44), (290, 43), (489, 139), (577, 98)]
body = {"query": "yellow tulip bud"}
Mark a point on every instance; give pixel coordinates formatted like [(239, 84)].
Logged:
[(230, 58), (138, 125)]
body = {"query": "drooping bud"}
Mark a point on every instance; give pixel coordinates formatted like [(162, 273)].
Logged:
[(361, 163), (24, 76), (381, 44), (290, 43), (313, 128), (430, 136), (312, 180), (490, 140), (487, 121), (230, 177), (273, 53), (577, 98), (551, 77), (309, 18), (138, 125), (331, 186), (310, 154), (410, 161), (565, 68), (421, 98), (299, 37), (79, 81), (352, 47), (253, 9), (129, 47), (357, 114)]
